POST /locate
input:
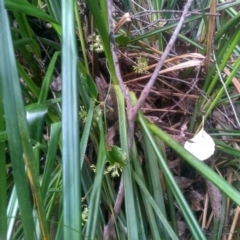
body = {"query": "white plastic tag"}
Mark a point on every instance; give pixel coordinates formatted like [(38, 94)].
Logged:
[(201, 145)]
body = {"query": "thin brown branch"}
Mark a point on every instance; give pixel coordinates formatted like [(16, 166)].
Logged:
[(192, 85), (119, 76), (210, 35), (153, 78), (114, 55), (108, 230)]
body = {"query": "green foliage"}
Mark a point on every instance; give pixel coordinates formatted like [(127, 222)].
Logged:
[(50, 137)]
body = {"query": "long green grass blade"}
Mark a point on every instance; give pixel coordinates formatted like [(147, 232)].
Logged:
[(93, 217), (155, 207), (188, 215), (220, 92), (70, 127), (28, 9), (207, 172), (18, 135), (3, 178), (86, 132), (127, 176), (54, 9), (156, 232), (12, 211), (99, 12)]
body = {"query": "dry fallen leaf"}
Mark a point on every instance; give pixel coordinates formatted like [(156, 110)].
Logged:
[(183, 182)]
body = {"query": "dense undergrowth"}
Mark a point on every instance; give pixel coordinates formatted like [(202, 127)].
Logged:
[(75, 162)]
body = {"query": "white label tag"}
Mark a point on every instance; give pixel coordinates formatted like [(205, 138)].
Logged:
[(201, 146)]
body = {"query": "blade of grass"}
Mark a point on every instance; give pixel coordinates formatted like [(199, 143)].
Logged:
[(54, 9), (28, 52), (142, 230), (155, 231), (157, 210), (18, 135), (207, 172), (187, 213), (210, 34), (29, 82), (189, 19), (47, 79), (81, 37), (210, 106), (211, 80), (127, 177), (86, 132), (225, 28), (52, 150), (223, 61), (223, 216), (231, 11), (70, 128), (223, 147), (87, 183), (28, 9), (26, 32), (18, 44), (154, 175), (3, 178), (96, 189), (101, 21), (12, 211), (36, 115), (3, 136)]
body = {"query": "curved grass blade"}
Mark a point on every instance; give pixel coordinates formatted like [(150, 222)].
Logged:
[(26, 32), (29, 82), (36, 115), (47, 79), (223, 147), (207, 172), (28, 9), (18, 44)]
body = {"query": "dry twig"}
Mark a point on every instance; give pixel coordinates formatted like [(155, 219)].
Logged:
[(153, 78), (108, 230)]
